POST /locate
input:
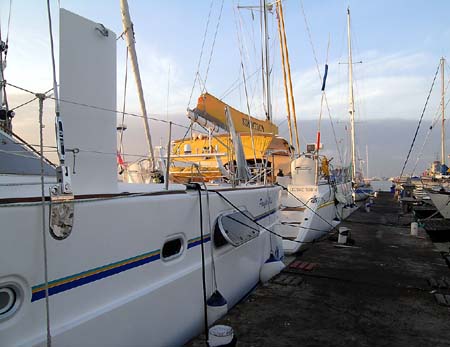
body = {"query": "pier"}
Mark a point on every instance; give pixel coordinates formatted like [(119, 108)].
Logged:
[(388, 288)]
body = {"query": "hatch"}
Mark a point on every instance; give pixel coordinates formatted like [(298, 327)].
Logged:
[(238, 227)]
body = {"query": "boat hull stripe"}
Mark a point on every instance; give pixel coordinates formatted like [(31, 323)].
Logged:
[(85, 277)]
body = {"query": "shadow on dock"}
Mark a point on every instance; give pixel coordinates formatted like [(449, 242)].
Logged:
[(388, 289)]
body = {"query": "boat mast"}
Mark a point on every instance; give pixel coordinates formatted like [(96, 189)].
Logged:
[(6, 115), (443, 112), (2, 82), (129, 36), (350, 97), (367, 161), (286, 66), (267, 62), (283, 67)]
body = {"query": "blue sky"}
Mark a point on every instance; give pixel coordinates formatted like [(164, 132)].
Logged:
[(399, 42)]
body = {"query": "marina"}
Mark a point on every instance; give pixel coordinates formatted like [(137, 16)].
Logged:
[(193, 174), (388, 288)]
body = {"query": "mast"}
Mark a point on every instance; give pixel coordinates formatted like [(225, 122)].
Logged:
[(267, 63), (443, 112), (6, 115), (283, 67), (129, 35), (287, 73), (2, 66), (351, 101), (367, 161)]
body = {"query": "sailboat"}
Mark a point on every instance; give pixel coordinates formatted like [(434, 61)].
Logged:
[(309, 204), (437, 182), (88, 260), (361, 189)]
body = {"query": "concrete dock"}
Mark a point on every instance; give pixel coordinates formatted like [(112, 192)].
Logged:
[(388, 289)]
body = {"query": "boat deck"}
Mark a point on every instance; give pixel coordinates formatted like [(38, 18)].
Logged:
[(388, 289)]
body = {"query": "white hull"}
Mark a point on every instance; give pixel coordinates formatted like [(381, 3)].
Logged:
[(108, 283), (344, 197), (442, 202), (306, 217)]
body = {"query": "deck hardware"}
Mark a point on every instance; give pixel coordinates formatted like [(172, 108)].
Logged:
[(62, 211)]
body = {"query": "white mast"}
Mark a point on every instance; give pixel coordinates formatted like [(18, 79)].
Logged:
[(267, 62), (2, 66), (6, 114), (351, 101), (443, 112), (367, 161), (129, 35)]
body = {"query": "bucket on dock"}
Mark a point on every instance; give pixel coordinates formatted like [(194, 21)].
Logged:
[(375, 195), (221, 335), (367, 207), (343, 235), (414, 229)]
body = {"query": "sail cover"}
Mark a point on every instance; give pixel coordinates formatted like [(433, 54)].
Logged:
[(212, 109)]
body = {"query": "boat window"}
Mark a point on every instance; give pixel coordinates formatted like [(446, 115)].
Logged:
[(235, 228), (172, 249)]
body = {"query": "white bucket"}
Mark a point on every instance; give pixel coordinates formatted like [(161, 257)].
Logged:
[(375, 195), (343, 234), (367, 207), (220, 335), (414, 229)]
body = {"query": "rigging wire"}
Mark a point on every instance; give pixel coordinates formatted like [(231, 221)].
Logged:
[(430, 129), (245, 84), (29, 101), (245, 46), (197, 73), (100, 108), (124, 106), (420, 121), (237, 83), (320, 78), (213, 45)]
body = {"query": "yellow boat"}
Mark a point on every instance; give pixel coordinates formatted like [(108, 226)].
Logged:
[(210, 157)]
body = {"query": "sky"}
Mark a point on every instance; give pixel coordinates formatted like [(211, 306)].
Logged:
[(399, 43)]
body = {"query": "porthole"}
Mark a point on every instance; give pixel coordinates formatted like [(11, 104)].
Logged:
[(11, 298), (7, 300), (172, 249)]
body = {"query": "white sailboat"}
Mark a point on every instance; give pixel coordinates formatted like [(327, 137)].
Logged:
[(441, 197), (88, 261), (361, 191), (308, 210)]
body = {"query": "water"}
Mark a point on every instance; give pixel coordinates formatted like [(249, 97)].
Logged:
[(381, 186)]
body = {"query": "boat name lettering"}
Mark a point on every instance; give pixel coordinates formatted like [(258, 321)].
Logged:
[(255, 126), (303, 189)]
